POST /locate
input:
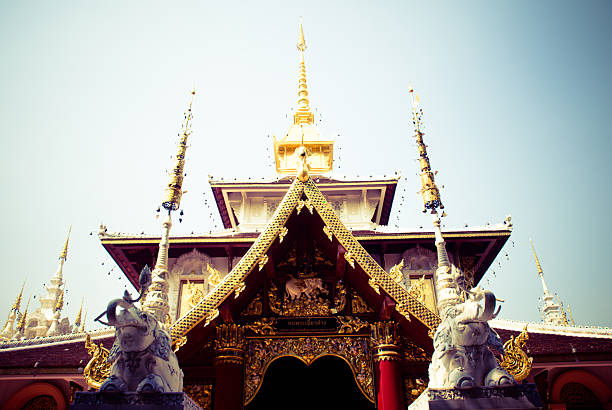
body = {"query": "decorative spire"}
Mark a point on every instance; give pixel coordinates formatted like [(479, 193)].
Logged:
[(553, 312), (64, 253), (83, 322), (156, 299), (303, 113), (77, 321), (16, 306), (22, 321), (60, 302), (429, 189), (539, 267), (449, 280), (174, 190)]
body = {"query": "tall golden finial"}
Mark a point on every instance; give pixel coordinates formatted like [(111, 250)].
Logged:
[(77, 321), (429, 189), (16, 306), (60, 302), (64, 252), (22, 320), (83, 322), (174, 189), (156, 299), (539, 267), (303, 113)]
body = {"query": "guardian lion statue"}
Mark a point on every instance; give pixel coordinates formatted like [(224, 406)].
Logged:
[(141, 358)]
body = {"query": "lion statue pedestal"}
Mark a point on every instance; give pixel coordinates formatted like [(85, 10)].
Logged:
[(516, 396)]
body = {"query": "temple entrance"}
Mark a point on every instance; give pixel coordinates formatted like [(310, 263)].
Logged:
[(328, 383)]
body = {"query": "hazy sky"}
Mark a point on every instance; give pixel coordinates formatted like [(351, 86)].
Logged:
[(516, 99)]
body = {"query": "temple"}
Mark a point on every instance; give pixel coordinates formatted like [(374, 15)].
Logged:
[(306, 296)]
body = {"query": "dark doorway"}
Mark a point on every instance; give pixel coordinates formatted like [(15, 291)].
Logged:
[(327, 383)]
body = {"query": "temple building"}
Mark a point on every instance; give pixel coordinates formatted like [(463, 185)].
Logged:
[(306, 297)]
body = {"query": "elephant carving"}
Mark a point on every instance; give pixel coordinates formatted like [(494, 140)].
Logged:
[(141, 358), (462, 357)]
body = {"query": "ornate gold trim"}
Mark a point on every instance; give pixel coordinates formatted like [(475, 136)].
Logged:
[(396, 272), (282, 234), (406, 304), (261, 352), (328, 233), (229, 345), (385, 341)]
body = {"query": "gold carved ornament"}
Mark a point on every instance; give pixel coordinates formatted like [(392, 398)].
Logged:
[(282, 234), (195, 294), (98, 369), (328, 233), (263, 351), (350, 324), (200, 393), (417, 289), (515, 361), (179, 342), (358, 305), (265, 326), (396, 272), (229, 345), (214, 277), (385, 340), (255, 307), (304, 306)]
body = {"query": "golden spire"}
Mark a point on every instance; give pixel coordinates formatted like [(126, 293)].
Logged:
[(174, 190), (22, 321), (429, 189), (77, 321), (156, 299), (303, 113), (317, 154), (60, 302), (64, 252), (17, 303), (540, 272), (83, 322)]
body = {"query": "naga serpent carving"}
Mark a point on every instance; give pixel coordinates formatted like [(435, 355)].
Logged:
[(514, 360), (98, 368)]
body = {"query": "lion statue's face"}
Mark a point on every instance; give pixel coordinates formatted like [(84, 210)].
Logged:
[(135, 330)]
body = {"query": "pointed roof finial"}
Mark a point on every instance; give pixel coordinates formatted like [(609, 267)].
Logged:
[(429, 189), (303, 113), (174, 189), (77, 321), (60, 302), (83, 322), (22, 321), (17, 305), (540, 272), (64, 252)]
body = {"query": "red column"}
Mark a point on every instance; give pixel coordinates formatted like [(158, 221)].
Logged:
[(229, 367), (389, 394)]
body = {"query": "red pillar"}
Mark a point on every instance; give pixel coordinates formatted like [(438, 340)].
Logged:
[(229, 367), (389, 394)]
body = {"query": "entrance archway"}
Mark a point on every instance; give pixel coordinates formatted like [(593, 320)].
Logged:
[(328, 383)]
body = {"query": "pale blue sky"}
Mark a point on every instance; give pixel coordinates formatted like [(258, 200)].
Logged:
[(516, 97)]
